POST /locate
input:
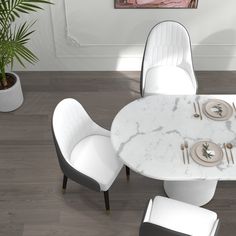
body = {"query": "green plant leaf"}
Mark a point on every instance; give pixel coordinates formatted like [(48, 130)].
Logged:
[(13, 36), (12, 8)]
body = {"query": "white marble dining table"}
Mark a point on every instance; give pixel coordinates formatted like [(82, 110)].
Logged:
[(147, 135)]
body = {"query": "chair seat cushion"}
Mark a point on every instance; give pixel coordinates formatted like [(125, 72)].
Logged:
[(182, 217), (94, 156), (168, 80)]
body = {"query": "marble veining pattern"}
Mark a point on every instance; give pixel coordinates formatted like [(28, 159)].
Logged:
[(148, 132)]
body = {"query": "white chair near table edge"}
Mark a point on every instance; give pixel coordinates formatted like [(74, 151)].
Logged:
[(84, 149), (168, 217), (167, 66)]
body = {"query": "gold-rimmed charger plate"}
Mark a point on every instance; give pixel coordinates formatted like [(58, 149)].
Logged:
[(210, 110), (195, 152)]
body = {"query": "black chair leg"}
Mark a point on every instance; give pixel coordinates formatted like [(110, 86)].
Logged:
[(127, 172), (106, 198), (64, 183)]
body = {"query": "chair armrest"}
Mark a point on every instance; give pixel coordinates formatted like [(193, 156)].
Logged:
[(100, 130), (189, 68), (215, 229)]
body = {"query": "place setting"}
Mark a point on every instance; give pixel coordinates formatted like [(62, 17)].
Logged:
[(207, 153), (214, 109)]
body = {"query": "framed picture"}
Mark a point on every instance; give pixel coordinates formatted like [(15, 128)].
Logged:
[(156, 4)]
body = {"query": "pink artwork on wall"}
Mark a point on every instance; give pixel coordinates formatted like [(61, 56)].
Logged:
[(156, 3)]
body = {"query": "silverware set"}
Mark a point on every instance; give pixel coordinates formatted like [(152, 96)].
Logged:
[(226, 146), (229, 146), (197, 110), (185, 152)]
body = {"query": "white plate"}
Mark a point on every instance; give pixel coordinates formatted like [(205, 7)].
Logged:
[(218, 153), (196, 154), (210, 110)]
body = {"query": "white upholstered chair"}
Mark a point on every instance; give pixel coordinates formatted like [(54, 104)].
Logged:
[(167, 66), (84, 149), (168, 217)]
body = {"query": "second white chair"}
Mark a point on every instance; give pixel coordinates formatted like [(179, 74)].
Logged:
[(167, 66), (168, 217), (84, 149)]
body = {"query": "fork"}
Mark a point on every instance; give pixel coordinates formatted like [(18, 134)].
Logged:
[(199, 108), (186, 146), (182, 148)]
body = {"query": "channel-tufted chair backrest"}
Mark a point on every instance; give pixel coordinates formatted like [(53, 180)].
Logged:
[(168, 46)]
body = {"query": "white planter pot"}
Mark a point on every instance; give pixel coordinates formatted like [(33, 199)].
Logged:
[(11, 98)]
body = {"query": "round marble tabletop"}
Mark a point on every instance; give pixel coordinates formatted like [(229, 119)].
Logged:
[(148, 132)]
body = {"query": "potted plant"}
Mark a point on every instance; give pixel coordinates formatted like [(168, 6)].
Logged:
[(13, 40)]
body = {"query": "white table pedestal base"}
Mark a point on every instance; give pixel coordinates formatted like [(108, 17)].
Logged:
[(198, 192)]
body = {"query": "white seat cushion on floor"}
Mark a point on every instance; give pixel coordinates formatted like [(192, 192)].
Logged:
[(168, 80), (94, 156), (182, 217)]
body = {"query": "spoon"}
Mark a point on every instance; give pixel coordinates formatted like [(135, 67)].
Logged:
[(196, 115), (230, 146)]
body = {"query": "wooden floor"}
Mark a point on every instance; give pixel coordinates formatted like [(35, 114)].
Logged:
[(31, 201)]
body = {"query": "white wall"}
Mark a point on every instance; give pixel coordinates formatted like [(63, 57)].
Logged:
[(92, 35)]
